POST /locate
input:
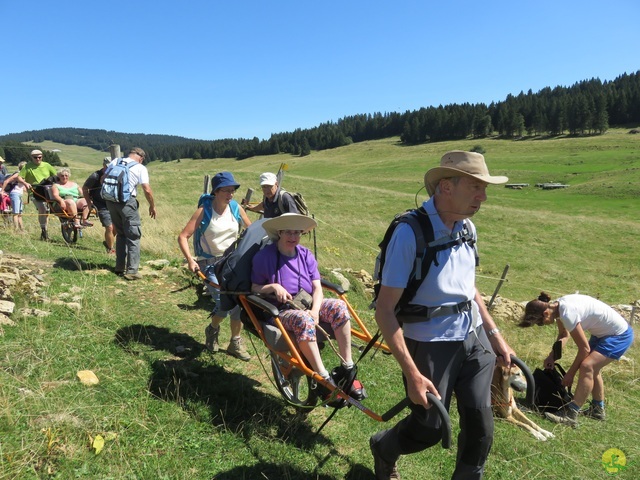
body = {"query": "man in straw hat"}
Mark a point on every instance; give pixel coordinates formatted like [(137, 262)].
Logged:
[(286, 271), (452, 342)]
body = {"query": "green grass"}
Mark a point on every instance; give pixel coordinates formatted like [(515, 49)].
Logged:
[(172, 411)]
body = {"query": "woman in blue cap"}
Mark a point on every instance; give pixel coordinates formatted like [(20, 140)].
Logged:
[(216, 224)]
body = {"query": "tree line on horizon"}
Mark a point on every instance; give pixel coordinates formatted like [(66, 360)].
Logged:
[(588, 107)]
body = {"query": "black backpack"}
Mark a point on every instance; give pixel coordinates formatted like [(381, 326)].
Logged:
[(233, 269), (426, 250), (550, 394)]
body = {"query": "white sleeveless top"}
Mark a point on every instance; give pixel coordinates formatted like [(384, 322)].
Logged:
[(220, 233)]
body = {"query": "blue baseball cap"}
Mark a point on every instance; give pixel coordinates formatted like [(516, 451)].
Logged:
[(223, 179)]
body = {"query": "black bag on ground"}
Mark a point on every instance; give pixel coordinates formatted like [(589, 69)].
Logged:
[(550, 395)]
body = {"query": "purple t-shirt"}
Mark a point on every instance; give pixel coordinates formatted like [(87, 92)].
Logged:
[(293, 273)]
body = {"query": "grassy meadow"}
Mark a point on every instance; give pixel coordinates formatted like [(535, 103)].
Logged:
[(169, 410)]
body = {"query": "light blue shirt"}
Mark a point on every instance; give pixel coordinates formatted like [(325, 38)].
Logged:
[(451, 279)]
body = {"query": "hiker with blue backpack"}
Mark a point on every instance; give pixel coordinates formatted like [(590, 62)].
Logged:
[(443, 336), (120, 190), (215, 225)]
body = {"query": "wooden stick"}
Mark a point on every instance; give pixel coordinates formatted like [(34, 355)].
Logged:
[(502, 279)]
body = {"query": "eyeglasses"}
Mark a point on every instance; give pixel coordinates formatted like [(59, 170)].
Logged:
[(64, 176), (36, 156), (291, 233)]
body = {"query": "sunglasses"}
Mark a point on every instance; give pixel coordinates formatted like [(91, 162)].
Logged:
[(36, 156)]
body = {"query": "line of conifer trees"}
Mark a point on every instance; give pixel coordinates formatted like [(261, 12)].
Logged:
[(587, 107)]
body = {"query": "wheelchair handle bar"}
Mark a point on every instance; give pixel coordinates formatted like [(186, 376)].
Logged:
[(435, 403)]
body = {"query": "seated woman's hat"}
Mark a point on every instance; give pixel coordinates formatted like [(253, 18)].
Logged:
[(223, 179), (458, 163), (288, 221)]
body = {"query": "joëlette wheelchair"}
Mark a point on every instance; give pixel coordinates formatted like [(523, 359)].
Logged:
[(296, 382), (70, 232)]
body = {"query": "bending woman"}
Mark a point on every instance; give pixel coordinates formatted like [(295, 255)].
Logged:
[(283, 269), (610, 337), (226, 216)]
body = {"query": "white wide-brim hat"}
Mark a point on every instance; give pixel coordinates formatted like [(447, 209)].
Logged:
[(288, 221), (458, 163)]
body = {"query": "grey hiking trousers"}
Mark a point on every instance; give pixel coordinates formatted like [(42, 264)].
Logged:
[(126, 222), (466, 369)]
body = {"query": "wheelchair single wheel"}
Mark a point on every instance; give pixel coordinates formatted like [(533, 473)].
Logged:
[(69, 231), (293, 385)]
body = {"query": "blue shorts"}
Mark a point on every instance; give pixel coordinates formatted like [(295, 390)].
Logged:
[(613, 346), (16, 203)]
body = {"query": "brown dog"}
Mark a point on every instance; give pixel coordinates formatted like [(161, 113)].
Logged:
[(504, 405)]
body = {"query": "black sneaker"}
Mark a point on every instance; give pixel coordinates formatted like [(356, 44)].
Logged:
[(44, 235), (348, 383), (594, 411), (383, 469)]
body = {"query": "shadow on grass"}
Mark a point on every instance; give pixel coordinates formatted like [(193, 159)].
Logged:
[(203, 302), (274, 470), (233, 401), (75, 264)]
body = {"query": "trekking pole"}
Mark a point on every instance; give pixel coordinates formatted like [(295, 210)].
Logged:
[(315, 244), (502, 279), (247, 196), (205, 190)]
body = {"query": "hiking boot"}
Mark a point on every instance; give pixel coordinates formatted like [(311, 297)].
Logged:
[(383, 470), (211, 338), (132, 276), (565, 416), (594, 411), (237, 349)]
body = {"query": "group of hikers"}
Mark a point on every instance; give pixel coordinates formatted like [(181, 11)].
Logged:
[(66, 196), (443, 336)]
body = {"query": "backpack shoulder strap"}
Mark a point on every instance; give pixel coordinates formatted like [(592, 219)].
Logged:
[(280, 204), (420, 223), (235, 211), (205, 202)]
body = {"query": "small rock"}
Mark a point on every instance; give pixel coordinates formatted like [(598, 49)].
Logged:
[(4, 320), (87, 377)]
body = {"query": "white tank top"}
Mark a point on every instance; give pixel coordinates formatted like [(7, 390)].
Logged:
[(220, 233)]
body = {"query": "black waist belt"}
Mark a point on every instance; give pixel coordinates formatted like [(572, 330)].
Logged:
[(420, 313)]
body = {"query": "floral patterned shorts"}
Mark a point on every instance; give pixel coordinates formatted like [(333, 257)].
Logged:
[(332, 311)]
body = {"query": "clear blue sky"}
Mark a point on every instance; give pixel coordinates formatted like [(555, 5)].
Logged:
[(212, 69)]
